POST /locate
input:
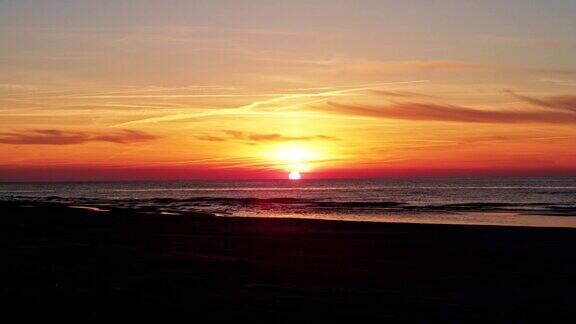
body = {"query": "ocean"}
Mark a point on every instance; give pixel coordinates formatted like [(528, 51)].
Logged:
[(491, 201)]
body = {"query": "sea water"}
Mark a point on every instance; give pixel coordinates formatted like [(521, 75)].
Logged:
[(505, 201)]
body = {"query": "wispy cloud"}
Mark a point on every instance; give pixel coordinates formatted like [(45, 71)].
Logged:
[(59, 137), (402, 94), (155, 33), (201, 34), (376, 67), (525, 41), (258, 137), (567, 102), (277, 102), (546, 71), (380, 67), (18, 87), (561, 82), (450, 113)]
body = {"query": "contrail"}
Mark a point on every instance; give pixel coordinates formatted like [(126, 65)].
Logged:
[(259, 103)]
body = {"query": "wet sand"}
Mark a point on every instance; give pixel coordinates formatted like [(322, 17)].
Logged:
[(88, 265)]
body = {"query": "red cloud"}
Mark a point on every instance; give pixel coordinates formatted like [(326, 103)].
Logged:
[(59, 137)]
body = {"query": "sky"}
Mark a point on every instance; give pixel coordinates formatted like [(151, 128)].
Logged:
[(123, 90)]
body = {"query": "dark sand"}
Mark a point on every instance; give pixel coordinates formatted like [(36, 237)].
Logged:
[(62, 263)]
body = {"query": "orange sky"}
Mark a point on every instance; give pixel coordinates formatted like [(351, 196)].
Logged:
[(247, 90)]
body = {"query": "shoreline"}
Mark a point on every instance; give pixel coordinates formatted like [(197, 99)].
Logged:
[(464, 217)]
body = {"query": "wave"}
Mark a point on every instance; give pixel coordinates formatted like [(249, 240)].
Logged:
[(234, 205), (542, 189)]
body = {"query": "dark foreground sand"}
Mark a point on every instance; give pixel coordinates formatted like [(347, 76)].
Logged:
[(62, 263)]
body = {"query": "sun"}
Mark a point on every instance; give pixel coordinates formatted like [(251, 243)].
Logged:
[(294, 175)]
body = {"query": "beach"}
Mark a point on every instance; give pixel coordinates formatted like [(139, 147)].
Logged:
[(90, 265)]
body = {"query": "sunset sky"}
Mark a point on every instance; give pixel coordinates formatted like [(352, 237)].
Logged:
[(100, 90)]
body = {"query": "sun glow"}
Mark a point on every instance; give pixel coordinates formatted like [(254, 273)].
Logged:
[(293, 157), (297, 157)]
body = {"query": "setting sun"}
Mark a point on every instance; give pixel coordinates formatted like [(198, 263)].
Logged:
[(294, 175)]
